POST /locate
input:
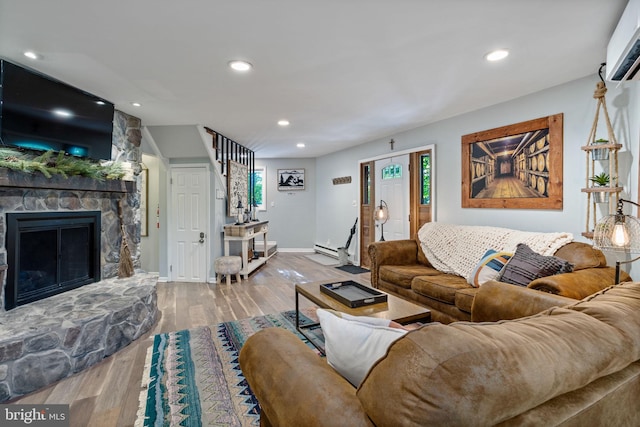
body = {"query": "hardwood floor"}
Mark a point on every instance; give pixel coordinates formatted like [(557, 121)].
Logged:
[(507, 187), (107, 393)]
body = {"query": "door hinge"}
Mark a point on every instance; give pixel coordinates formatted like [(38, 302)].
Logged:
[(171, 268)]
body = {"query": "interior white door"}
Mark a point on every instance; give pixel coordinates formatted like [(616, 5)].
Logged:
[(392, 186), (189, 204)]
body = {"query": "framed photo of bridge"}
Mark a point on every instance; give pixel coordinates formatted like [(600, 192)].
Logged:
[(514, 167)]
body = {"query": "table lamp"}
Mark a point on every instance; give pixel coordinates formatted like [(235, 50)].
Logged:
[(618, 233), (381, 216)]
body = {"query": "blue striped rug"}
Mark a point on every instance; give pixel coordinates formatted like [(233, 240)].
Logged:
[(192, 377)]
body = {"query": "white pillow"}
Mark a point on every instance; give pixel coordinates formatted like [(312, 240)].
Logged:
[(354, 343)]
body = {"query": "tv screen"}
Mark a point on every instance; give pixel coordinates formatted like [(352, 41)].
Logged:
[(40, 113)]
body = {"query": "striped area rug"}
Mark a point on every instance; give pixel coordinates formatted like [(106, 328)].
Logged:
[(192, 377)]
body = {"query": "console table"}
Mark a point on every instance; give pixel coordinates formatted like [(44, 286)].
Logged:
[(245, 233)]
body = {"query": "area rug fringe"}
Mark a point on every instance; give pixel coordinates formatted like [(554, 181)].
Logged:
[(142, 398)]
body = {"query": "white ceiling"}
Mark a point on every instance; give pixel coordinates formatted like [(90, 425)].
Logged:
[(343, 72)]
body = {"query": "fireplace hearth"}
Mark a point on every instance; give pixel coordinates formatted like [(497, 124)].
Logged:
[(49, 253)]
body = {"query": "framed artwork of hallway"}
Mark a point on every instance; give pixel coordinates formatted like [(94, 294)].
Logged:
[(517, 166)]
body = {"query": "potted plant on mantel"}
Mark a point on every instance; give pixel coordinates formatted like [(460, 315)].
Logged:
[(600, 153), (600, 180)]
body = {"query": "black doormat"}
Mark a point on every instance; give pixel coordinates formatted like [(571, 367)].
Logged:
[(353, 269)]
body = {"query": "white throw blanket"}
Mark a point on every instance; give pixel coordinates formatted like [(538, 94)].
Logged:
[(456, 249)]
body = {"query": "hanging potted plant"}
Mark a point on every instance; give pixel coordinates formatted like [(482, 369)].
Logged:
[(600, 180), (600, 153)]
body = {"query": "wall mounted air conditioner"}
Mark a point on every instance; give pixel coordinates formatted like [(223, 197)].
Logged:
[(623, 51)]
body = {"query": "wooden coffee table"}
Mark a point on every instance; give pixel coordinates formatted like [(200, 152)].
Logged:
[(396, 309)]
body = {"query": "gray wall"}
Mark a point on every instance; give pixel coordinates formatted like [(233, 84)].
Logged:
[(574, 99), (218, 207), (291, 214), (150, 246)]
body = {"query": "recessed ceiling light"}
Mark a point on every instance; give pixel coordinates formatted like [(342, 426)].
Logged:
[(136, 104), (283, 122), (239, 65), (300, 145), (65, 114), (32, 55), (497, 55)]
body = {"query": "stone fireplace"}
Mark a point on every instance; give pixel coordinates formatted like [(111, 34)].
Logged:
[(82, 198), (32, 194), (96, 314)]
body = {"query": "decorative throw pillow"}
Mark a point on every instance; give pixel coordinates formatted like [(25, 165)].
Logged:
[(354, 343), (489, 267), (526, 265)]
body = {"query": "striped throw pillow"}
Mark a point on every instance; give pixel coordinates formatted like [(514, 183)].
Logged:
[(489, 267)]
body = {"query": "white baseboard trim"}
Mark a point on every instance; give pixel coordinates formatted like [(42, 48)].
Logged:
[(299, 250), (326, 250)]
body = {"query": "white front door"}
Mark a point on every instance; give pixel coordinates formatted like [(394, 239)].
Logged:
[(392, 186), (189, 207)]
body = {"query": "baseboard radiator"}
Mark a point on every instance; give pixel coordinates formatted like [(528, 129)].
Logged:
[(325, 250)]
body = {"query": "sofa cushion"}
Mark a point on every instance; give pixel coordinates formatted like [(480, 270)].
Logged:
[(579, 284), (526, 265), (582, 255), (464, 299), (441, 287), (353, 344), (402, 275), (489, 267), (489, 371), (422, 259), (622, 311)]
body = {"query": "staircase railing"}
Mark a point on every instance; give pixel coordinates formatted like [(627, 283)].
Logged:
[(227, 149)]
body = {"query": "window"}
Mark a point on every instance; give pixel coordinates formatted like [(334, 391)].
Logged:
[(425, 172), (392, 171), (259, 188), (366, 184)]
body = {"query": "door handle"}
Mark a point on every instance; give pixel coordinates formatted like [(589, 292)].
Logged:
[(201, 237)]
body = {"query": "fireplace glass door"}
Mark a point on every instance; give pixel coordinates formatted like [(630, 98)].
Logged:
[(49, 253)]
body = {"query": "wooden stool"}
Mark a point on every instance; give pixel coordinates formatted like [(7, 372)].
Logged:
[(227, 265)]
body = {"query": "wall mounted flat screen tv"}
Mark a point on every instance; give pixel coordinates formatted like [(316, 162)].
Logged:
[(41, 113)]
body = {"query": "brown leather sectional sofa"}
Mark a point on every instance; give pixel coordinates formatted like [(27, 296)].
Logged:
[(400, 267), (574, 365)]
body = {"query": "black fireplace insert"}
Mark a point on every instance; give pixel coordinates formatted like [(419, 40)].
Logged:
[(49, 253)]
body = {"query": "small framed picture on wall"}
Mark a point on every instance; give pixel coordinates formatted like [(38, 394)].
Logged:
[(290, 179), (144, 201)]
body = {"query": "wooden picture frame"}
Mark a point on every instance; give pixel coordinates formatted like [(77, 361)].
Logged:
[(144, 202), (290, 179), (514, 167), (237, 187)]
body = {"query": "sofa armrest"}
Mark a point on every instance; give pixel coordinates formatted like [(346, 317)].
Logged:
[(296, 387), (503, 301), (392, 252), (578, 284)]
